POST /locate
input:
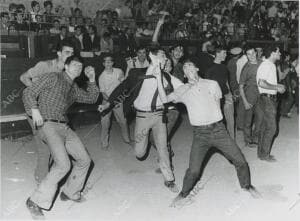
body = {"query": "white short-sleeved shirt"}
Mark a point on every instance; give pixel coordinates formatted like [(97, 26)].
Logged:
[(149, 86), (267, 71), (202, 101), (109, 81)]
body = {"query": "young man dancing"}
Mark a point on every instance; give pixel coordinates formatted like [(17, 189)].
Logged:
[(202, 100)]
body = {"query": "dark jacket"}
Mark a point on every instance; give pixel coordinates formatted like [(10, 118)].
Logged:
[(89, 45), (129, 89)]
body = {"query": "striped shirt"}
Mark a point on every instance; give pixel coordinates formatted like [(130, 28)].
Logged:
[(54, 93)]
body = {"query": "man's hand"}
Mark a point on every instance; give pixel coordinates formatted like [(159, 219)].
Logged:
[(103, 107), (280, 88), (161, 20), (37, 117), (90, 73), (247, 105)]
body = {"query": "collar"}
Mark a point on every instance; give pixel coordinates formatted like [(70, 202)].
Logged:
[(67, 78)]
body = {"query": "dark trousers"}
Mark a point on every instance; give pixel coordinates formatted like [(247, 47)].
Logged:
[(254, 115), (287, 101), (268, 125), (214, 135)]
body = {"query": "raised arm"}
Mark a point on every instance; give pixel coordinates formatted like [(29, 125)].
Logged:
[(157, 29)]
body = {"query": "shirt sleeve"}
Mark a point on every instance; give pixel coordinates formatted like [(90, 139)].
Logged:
[(175, 82), (39, 69), (243, 77), (178, 93), (101, 84), (89, 96)]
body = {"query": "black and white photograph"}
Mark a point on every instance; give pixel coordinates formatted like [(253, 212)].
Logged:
[(150, 110)]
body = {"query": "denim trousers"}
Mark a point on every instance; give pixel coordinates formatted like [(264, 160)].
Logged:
[(254, 114), (153, 121), (106, 123), (61, 141), (43, 155), (214, 135), (268, 125)]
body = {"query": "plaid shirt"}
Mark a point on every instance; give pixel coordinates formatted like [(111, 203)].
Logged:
[(54, 93)]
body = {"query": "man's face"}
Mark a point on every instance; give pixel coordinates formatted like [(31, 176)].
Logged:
[(65, 53), (64, 32), (251, 55), (259, 52), (168, 66), (36, 8), (142, 54), (48, 8), (108, 63), (277, 54), (161, 56), (191, 71), (221, 55), (177, 52), (74, 68)]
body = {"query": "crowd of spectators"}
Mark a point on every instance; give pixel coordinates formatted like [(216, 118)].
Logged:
[(222, 21)]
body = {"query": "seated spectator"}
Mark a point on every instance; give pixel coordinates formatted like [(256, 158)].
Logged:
[(21, 8), (106, 43), (20, 24), (91, 41), (56, 27), (4, 21), (127, 42), (48, 15), (181, 32), (77, 39), (35, 10), (87, 23), (72, 24), (12, 8), (125, 10), (114, 29), (103, 27), (38, 25), (147, 30), (207, 41), (59, 38)]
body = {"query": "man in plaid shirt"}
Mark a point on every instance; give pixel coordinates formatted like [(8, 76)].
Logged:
[(46, 102)]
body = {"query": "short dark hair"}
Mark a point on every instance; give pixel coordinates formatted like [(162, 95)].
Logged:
[(65, 43), (63, 27), (46, 3), (269, 49), (12, 6), (175, 46), (74, 58), (249, 47), (20, 6), (154, 49), (106, 35), (56, 20), (107, 55), (141, 47), (93, 27), (219, 48), (34, 3)]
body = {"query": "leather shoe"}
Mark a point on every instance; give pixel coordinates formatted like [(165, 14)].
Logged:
[(64, 197), (172, 186), (35, 211)]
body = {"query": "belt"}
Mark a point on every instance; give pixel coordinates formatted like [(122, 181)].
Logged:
[(156, 110), (52, 120), (210, 125), (269, 95)]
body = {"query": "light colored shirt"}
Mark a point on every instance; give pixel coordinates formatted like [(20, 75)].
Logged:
[(149, 86), (202, 101), (267, 71), (44, 67), (108, 81), (240, 63)]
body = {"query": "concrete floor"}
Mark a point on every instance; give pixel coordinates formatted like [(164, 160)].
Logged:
[(123, 188)]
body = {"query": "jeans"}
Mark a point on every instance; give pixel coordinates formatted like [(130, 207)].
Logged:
[(43, 155), (268, 125), (254, 115), (214, 135), (62, 141), (106, 122), (145, 122), (228, 110), (240, 114)]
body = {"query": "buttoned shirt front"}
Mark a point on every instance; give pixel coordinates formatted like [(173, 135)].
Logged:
[(202, 101), (108, 81), (148, 89)]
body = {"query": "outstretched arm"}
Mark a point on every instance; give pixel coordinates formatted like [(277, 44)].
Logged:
[(160, 22)]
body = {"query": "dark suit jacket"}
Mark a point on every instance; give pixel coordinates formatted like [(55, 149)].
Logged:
[(89, 45), (57, 41), (77, 45), (129, 89)]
